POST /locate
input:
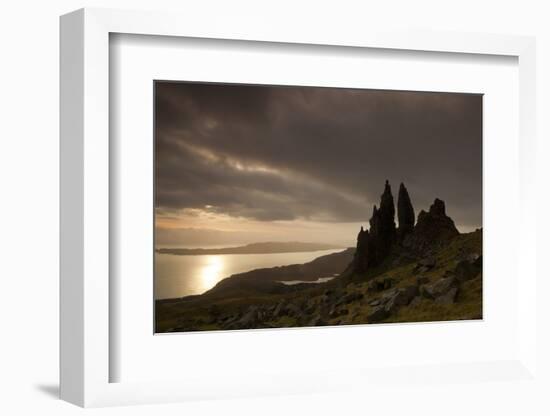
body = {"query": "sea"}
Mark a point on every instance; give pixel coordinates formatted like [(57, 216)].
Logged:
[(177, 276)]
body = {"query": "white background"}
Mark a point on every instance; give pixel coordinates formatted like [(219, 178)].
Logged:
[(29, 209)]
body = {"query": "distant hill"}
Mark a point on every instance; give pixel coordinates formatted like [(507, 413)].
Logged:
[(254, 248)]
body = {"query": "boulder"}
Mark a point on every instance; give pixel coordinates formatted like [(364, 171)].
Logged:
[(229, 321), (394, 304), (380, 283), (472, 257), (422, 280), (468, 269), (329, 292), (279, 309), (428, 262), (425, 265), (388, 295), (448, 298), (335, 312), (438, 288), (377, 314), (449, 273), (401, 297), (410, 292), (249, 319), (317, 320), (351, 297), (310, 307), (479, 262), (293, 310), (415, 302)]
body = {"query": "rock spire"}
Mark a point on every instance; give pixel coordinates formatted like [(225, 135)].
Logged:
[(382, 227), (405, 212), (374, 245)]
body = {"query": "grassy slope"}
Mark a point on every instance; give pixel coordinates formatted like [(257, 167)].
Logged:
[(199, 313)]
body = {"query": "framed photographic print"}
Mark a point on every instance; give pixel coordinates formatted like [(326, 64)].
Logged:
[(268, 212)]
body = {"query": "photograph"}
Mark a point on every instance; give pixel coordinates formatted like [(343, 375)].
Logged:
[(305, 206)]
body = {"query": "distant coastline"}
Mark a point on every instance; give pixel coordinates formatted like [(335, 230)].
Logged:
[(254, 248)]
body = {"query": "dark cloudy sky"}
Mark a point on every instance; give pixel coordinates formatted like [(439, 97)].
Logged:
[(238, 163)]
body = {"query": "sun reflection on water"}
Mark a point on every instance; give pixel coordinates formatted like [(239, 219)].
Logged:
[(211, 271)]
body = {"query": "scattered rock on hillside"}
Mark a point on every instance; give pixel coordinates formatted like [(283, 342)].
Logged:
[(293, 310), (380, 283), (416, 301), (410, 292), (350, 297), (336, 312), (422, 280), (438, 288), (400, 297), (377, 314), (310, 307), (279, 309), (317, 320), (448, 298), (248, 320), (468, 269), (426, 264)]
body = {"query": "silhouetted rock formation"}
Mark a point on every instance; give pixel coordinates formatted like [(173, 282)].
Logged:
[(432, 228), (382, 228), (375, 245), (360, 261), (405, 213)]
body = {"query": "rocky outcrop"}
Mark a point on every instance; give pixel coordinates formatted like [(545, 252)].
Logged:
[(439, 288), (382, 227), (390, 302), (468, 269), (374, 245), (405, 212), (360, 259), (433, 228)]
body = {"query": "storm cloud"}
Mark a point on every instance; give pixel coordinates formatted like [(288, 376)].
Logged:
[(271, 153)]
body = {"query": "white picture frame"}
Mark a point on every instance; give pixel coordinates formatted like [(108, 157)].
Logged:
[(85, 210)]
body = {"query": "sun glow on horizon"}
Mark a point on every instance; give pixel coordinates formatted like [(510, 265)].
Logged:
[(211, 272)]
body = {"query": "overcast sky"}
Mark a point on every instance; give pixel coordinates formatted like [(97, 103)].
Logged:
[(238, 163)]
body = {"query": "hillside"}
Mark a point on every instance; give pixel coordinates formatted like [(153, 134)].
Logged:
[(423, 270), (445, 286)]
